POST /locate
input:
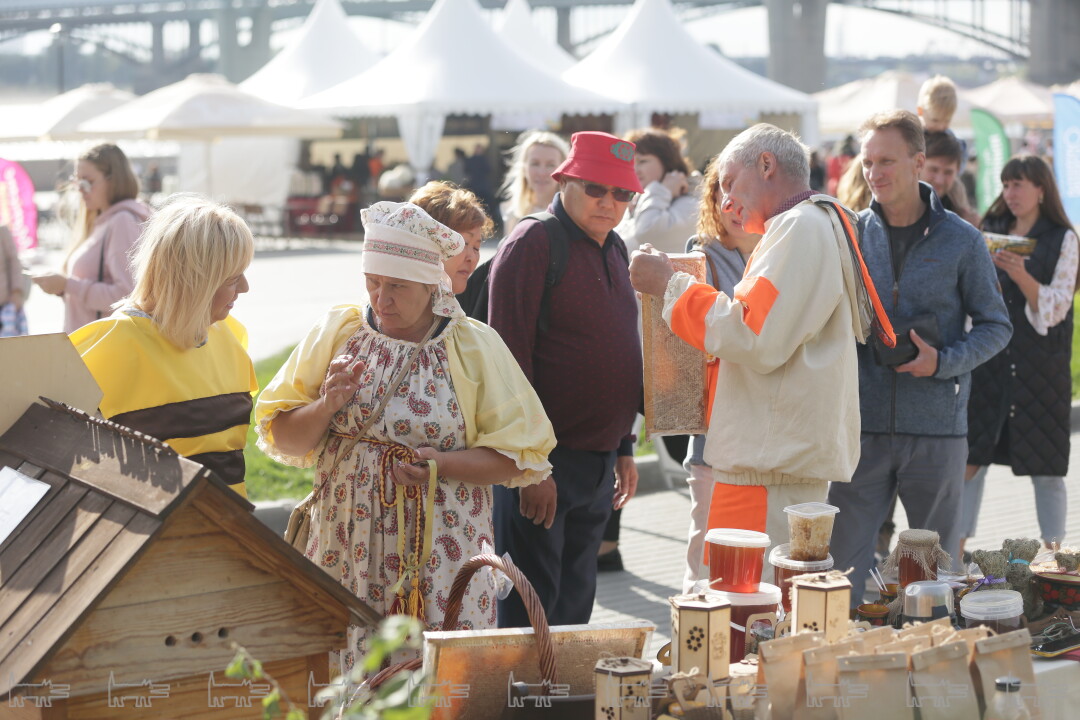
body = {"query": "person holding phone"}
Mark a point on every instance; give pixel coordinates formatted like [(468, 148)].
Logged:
[(96, 271)]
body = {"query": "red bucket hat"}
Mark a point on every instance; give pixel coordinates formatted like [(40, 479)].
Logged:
[(601, 158)]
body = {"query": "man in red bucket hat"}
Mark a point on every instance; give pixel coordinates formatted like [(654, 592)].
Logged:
[(560, 296)]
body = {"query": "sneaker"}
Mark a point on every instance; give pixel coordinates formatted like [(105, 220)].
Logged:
[(610, 561)]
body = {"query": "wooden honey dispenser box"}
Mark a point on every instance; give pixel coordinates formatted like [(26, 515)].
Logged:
[(701, 635), (622, 689), (820, 603)]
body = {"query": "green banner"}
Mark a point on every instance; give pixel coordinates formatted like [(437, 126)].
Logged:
[(992, 150)]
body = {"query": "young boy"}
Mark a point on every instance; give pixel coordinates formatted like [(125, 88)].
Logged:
[(942, 171), (936, 107)]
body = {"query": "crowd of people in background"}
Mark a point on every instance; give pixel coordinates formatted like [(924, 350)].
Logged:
[(457, 407)]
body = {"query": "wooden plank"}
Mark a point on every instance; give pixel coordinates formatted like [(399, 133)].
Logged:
[(274, 555), (176, 567), (42, 623), (133, 643), (124, 467), (182, 523), (44, 546), (52, 510), (190, 697)]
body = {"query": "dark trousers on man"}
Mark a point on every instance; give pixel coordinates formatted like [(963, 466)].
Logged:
[(560, 563)]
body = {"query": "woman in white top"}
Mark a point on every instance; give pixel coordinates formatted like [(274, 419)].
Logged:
[(529, 187), (666, 214)]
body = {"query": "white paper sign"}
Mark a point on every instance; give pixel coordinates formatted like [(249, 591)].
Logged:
[(18, 495)]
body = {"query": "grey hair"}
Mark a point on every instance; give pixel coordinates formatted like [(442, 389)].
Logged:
[(792, 157)]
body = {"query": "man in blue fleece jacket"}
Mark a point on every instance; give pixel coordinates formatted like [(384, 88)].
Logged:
[(924, 260)]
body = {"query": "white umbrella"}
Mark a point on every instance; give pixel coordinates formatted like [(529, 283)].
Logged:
[(207, 108), (57, 117), (1013, 100)]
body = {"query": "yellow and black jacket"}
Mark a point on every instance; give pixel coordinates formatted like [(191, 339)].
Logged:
[(198, 401)]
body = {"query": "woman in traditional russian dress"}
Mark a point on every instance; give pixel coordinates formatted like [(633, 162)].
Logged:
[(390, 527)]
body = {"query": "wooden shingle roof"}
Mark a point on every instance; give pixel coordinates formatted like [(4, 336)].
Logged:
[(110, 493)]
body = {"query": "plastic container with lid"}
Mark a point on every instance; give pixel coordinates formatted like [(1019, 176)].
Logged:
[(744, 606), (1006, 702), (736, 558), (784, 568), (1000, 610), (810, 525)]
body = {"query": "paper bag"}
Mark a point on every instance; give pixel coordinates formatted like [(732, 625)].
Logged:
[(820, 699), (1007, 654), (874, 686), (675, 382), (782, 664), (942, 684), (908, 645)]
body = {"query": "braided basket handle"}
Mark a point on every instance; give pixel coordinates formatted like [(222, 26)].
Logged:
[(544, 647), (524, 588)]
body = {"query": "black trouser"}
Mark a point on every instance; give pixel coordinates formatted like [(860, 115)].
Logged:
[(560, 562)]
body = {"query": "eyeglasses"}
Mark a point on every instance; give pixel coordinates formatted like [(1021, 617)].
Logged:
[(81, 184), (598, 191)]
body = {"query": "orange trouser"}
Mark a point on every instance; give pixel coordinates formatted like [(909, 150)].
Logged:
[(737, 506)]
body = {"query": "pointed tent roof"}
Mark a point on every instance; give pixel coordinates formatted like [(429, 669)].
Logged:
[(455, 63), (652, 62), (324, 52), (519, 31), (1013, 100)]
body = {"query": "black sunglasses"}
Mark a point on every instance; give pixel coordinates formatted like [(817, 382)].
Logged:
[(598, 191)]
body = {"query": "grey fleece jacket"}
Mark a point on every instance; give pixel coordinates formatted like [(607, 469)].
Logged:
[(947, 272)]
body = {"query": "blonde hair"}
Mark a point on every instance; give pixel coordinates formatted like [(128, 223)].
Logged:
[(852, 190), (516, 187), (189, 249), (709, 225), (455, 207), (937, 97)]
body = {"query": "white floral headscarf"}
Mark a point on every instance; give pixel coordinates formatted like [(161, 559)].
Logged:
[(403, 241)]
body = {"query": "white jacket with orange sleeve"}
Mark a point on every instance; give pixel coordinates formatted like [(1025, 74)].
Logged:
[(786, 407)]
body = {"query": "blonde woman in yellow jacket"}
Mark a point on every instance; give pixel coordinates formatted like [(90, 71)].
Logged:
[(170, 361)]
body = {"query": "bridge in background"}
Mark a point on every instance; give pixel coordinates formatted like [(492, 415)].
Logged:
[(1041, 32)]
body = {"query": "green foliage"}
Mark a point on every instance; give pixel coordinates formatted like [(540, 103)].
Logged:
[(402, 697), (267, 479)]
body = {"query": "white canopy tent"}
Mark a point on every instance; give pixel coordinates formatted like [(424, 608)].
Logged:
[(57, 117), (653, 63), (1013, 100), (203, 109), (324, 52), (842, 109), (454, 63), (519, 31)]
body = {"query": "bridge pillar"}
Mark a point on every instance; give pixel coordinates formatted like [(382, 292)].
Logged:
[(158, 46), (562, 29), (228, 47), (1055, 25), (194, 43), (257, 52), (797, 43)]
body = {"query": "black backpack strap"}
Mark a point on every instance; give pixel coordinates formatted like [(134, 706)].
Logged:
[(558, 258)]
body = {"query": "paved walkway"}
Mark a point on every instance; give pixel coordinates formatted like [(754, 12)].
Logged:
[(291, 288), (653, 545)]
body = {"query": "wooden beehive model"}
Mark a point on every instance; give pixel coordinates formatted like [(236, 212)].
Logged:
[(126, 584)]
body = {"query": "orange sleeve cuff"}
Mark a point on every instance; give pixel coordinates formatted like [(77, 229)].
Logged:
[(689, 313), (757, 296)]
